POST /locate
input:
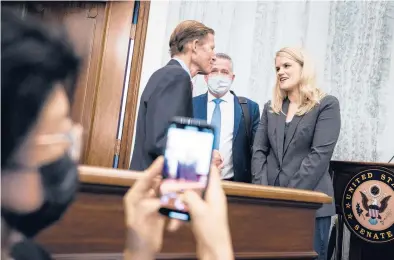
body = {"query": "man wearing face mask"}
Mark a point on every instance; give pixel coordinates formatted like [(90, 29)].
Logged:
[(236, 120)]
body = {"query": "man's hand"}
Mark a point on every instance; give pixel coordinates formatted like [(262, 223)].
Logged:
[(144, 223), (217, 159)]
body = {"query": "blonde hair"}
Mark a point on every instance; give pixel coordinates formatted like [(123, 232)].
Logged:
[(309, 93)]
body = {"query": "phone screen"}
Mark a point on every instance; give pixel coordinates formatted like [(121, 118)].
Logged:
[(187, 161)]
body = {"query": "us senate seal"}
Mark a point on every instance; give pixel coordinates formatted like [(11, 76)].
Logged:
[(368, 205)]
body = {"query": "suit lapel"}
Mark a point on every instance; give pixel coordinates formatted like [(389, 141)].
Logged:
[(200, 112), (290, 132), (237, 116), (280, 134)]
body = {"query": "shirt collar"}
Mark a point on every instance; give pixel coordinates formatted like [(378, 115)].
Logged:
[(226, 98), (183, 65)]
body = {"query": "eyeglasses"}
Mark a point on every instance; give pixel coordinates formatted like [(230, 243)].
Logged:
[(72, 137)]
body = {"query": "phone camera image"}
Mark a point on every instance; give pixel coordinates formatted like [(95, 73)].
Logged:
[(187, 161)]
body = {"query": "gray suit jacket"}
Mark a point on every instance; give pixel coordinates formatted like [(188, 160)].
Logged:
[(302, 161)]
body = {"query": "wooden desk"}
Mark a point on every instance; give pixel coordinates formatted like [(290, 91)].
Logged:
[(265, 222)]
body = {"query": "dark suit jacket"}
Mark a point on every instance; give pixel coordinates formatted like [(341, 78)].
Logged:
[(241, 147), (168, 93), (302, 161)]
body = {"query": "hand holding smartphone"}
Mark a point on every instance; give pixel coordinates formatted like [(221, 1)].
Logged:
[(187, 162)]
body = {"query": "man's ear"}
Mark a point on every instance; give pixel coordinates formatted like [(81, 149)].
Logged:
[(233, 77), (194, 44)]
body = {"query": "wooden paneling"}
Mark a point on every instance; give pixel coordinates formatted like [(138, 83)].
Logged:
[(100, 32), (135, 77), (261, 228), (126, 178), (102, 138), (86, 29), (119, 256), (85, 24)]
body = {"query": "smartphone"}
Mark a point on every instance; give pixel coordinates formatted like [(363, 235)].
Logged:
[(187, 161)]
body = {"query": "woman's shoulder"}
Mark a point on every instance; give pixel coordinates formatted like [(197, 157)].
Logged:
[(329, 100)]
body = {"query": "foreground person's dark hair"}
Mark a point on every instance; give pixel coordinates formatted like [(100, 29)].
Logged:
[(33, 60)]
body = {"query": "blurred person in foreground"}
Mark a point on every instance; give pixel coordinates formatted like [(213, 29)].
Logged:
[(40, 149), (40, 143)]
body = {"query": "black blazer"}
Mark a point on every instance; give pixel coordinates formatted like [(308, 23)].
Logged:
[(168, 93), (302, 160)]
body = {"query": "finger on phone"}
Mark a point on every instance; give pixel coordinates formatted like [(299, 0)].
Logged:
[(174, 225), (221, 166), (157, 181), (149, 206), (147, 181), (152, 193), (214, 173), (214, 182), (193, 201)]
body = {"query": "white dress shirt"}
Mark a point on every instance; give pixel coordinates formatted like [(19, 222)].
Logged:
[(226, 130)]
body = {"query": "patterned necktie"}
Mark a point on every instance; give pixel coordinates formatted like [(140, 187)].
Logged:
[(216, 121)]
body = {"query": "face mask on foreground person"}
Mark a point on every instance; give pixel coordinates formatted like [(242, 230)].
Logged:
[(40, 150)]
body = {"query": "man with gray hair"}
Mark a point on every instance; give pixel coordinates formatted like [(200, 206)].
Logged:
[(235, 118)]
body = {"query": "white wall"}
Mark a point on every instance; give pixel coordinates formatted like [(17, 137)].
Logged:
[(351, 43)]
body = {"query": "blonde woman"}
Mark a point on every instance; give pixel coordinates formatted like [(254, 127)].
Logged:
[(297, 135)]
